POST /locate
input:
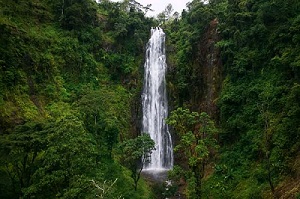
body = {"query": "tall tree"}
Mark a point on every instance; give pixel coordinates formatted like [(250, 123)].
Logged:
[(197, 141), (136, 153)]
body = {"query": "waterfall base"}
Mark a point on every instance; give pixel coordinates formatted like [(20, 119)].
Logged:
[(155, 175)]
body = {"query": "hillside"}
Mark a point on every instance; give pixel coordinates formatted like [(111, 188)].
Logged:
[(71, 76), (239, 62)]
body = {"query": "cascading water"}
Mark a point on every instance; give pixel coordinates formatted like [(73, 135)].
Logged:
[(155, 104)]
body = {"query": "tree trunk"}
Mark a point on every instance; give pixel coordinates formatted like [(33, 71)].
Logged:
[(198, 176)]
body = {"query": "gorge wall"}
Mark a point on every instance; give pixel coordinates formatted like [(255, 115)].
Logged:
[(208, 69)]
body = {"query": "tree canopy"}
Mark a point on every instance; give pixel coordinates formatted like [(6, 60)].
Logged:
[(70, 83)]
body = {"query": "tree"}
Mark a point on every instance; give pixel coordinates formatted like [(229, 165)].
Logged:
[(75, 14), (66, 162), (21, 154), (166, 14), (136, 6), (107, 122), (168, 11), (270, 123), (136, 153), (161, 17), (196, 133), (105, 189), (48, 159)]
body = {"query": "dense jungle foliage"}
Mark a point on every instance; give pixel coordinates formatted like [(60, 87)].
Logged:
[(70, 81), (258, 115), (70, 74)]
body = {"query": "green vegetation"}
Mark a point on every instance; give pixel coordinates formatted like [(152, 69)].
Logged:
[(196, 132), (258, 104), (70, 82), (69, 74), (136, 153)]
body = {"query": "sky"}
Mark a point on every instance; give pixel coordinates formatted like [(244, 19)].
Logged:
[(159, 5)]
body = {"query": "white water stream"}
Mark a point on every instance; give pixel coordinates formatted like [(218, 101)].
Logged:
[(155, 104)]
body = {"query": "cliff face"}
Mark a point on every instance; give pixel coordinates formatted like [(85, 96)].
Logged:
[(257, 91), (208, 68)]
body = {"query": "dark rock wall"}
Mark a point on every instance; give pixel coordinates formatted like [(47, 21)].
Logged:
[(208, 68)]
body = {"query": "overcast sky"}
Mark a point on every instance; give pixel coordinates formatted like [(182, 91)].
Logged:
[(159, 5)]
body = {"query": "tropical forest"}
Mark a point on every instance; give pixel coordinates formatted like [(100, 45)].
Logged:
[(98, 99)]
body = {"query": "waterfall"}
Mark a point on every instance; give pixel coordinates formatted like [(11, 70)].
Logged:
[(155, 104)]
